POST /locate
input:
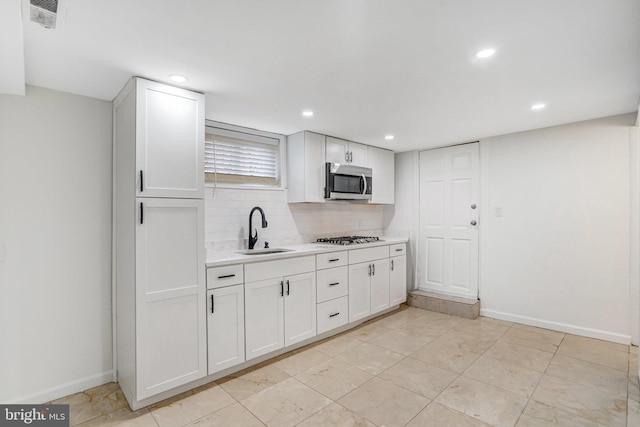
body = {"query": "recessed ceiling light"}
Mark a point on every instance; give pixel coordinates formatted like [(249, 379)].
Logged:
[(485, 53), (307, 113), (538, 106), (178, 78), (388, 137)]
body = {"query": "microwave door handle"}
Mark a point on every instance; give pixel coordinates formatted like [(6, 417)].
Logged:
[(364, 181)]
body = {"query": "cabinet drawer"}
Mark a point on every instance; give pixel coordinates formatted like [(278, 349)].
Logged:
[(398, 249), (218, 277), (333, 259), (332, 283), (368, 254), (278, 268), (332, 314)]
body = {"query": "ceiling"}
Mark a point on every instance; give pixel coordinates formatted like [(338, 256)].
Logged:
[(367, 68)]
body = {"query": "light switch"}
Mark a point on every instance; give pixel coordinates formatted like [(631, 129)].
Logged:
[(498, 211)]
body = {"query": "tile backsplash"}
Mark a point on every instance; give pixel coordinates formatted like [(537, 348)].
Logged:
[(227, 219)]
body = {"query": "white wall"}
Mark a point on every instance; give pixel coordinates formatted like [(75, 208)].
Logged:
[(227, 219), (55, 228), (634, 235), (402, 217), (559, 255)]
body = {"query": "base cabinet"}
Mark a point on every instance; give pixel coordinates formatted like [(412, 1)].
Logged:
[(225, 327), (359, 291), (379, 286), (397, 280), (279, 312), (170, 293)]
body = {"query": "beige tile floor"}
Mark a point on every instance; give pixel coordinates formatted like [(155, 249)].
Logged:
[(411, 367)]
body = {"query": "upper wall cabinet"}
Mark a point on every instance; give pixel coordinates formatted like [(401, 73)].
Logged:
[(382, 166), (308, 152), (305, 167), (169, 134), (346, 152)]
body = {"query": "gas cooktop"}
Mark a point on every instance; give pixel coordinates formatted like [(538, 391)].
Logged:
[(348, 240)]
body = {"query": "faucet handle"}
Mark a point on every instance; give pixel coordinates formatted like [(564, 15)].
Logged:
[(266, 245)]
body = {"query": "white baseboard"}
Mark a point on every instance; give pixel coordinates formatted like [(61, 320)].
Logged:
[(556, 326), (63, 390)]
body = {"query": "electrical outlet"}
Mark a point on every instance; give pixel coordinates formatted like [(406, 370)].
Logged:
[(498, 211)]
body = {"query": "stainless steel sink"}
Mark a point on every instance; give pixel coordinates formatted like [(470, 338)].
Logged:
[(264, 251)]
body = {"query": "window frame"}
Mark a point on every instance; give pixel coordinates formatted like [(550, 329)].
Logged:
[(250, 134)]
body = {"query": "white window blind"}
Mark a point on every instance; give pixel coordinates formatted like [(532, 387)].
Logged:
[(237, 157)]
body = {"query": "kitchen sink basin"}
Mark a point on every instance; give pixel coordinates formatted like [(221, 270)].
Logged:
[(264, 251)]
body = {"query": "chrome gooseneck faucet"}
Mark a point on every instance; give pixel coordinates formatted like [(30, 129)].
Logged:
[(254, 238)]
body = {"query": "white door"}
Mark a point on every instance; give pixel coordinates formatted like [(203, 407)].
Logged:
[(379, 285), (225, 327), (170, 141), (397, 280), (264, 317), (359, 291), (170, 294), (299, 308), (448, 245)]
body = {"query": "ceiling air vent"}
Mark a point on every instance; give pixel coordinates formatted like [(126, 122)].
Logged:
[(44, 12)]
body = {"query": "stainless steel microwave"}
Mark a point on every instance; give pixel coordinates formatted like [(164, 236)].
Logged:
[(347, 182)]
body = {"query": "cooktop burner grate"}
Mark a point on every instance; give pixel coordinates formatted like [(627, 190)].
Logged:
[(348, 240)]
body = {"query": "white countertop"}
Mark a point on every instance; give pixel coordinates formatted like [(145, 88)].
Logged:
[(217, 259)]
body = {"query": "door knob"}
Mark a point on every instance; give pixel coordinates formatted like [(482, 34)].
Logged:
[(474, 222), (473, 206)]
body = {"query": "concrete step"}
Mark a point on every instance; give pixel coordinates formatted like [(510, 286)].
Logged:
[(446, 304)]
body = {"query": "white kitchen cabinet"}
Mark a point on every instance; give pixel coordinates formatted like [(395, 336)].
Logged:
[(299, 308), (159, 265), (332, 283), (382, 166), (225, 327), (359, 291), (397, 274), (305, 167), (345, 152), (368, 281), (379, 285), (169, 127), (264, 317), (169, 274), (333, 314), (279, 310)]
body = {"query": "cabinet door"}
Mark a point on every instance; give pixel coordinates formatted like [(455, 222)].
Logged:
[(359, 291), (336, 150), (305, 167), (380, 286), (169, 141), (397, 280), (264, 317), (357, 154), (225, 327), (382, 166), (170, 294), (299, 307)]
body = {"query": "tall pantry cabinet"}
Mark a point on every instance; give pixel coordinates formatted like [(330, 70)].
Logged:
[(159, 251)]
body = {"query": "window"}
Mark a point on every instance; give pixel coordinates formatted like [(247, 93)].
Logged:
[(235, 155)]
